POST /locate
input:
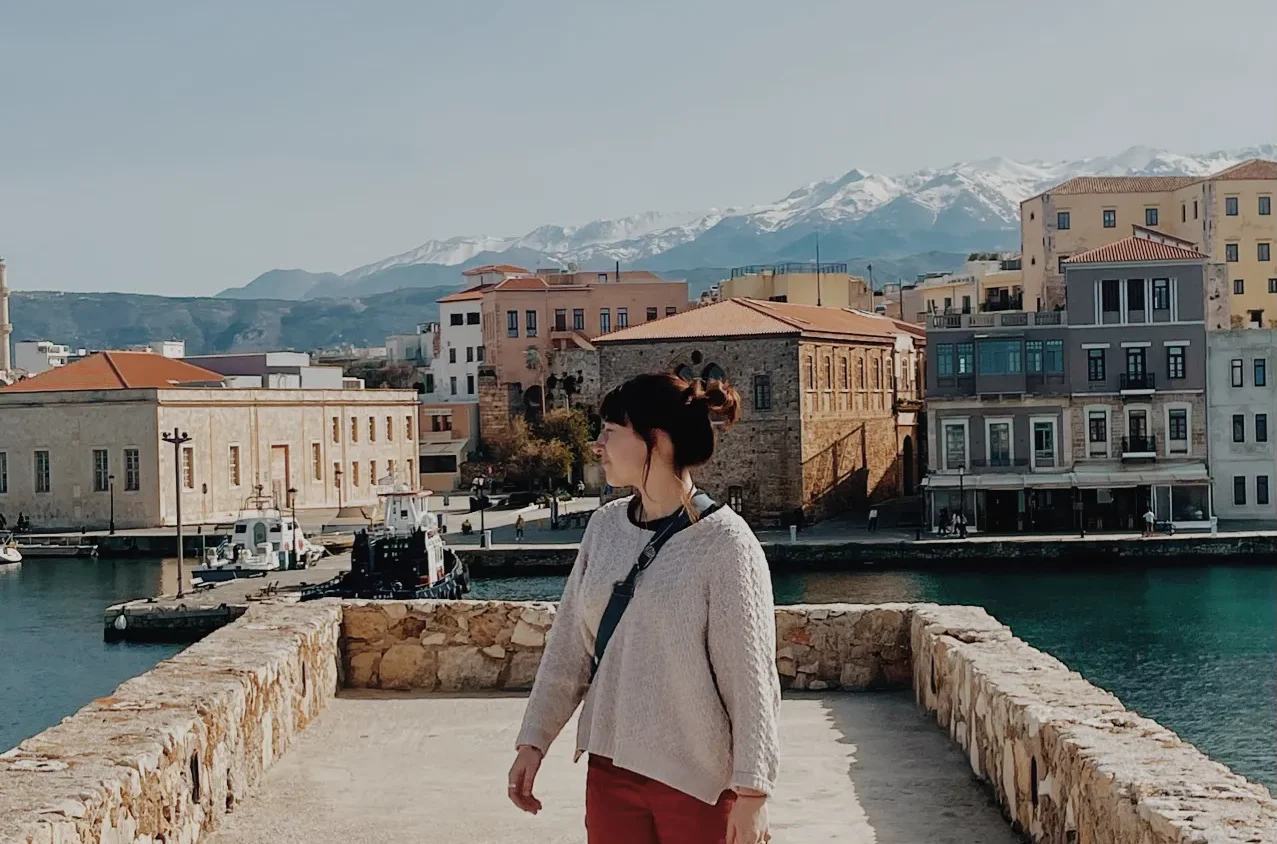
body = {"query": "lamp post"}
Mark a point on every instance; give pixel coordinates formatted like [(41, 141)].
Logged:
[(110, 483), (337, 475), (178, 439), (962, 498), (292, 505)]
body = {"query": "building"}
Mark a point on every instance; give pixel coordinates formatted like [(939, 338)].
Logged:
[(86, 438), (1228, 216), (831, 400), (988, 282), (1241, 405), (527, 322), (449, 432), (490, 274), (273, 370), (419, 348), (35, 356), (827, 284), (1051, 420), (454, 372)]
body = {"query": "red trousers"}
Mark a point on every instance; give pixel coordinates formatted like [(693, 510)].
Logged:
[(622, 807)]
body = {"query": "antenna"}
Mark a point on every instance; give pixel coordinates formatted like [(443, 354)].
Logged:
[(818, 269)]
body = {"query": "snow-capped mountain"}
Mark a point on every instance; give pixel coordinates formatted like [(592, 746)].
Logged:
[(966, 206)]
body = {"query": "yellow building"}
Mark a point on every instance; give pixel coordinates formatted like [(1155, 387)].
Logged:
[(799, 284), (987, 282), (1227, 215)]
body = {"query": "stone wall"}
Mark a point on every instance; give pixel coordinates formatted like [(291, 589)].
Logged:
[(170, 751), (1067, 762), (491, 645)]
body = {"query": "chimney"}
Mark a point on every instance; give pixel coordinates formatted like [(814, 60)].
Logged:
[(618, 270), (6, 362)]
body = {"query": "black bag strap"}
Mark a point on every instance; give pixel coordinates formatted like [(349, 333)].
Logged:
[(623, 590)]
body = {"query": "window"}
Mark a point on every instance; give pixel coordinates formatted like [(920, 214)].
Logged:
[(1177, 429), (1135, 294), (407, 430), (1230, 253), (955, 445), (1264, 251), (1044, 443), (478, 353), (132, 470), (999, 442), (372, 429), (354, 473), (390, 470), (42, 471), (1261, 489), (844, 377), (372, 472), (1150, 216), (605, 320), (670, 310), (530, 323), (966, 303), (1261, 427), (452, 355), (1110, 219), (1256, 318), (472, 318), (1230, 206), (1054, 361), (337, 476), (1063, 260), (1237, 379), (1174, 361), (1097, 426), (354, 429), (1062, 220), (1095, 365), (470, 385), (560, 319), (1110, 295), (1183, 213), (512, 323), (811, 374), (1261, 372), (1033, 356), (316, 462), (336, 429), (1194, 209), (622, 318), (860, 373), (966, 359), (437, 463), (234, 464), (651, 314), (430, 385), (4, 472), (944, 360), (188, 467), (456, 319), (829, 374), (877, 374), (578, 319), (1272, 285), (101, 469), (1239, 428), (469, 354), (1239, 489), (1239, 286), (452, 384), (1161, 294), (1265, 206), (1135, 363), (762, 392)]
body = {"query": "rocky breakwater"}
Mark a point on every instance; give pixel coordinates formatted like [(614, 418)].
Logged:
[(488, 645), (170, 751), (1067, 761)]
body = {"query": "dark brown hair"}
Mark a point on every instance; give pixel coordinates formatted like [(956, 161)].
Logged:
[(684, 410)]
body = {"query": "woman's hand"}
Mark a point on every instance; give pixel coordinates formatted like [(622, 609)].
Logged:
[(748, 823), (523, 774)]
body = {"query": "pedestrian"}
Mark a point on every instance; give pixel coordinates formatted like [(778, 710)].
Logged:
[(873, 519), (580, 488), (680, 701), (518, 528), (962, 525), (3, 523), (1149, 521)]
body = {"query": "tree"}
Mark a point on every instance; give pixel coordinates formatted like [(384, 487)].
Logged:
[(572, 429), (522, 459)]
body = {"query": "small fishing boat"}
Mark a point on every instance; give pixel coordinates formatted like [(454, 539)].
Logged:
[(9, 554), (263, 540), (55, 546)]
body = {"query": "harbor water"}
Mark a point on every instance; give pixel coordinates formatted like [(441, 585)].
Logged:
[(1194, 648)]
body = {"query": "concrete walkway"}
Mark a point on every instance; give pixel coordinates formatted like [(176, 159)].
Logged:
[(379, 767)]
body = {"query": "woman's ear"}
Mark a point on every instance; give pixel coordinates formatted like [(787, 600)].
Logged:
[(662, 446)]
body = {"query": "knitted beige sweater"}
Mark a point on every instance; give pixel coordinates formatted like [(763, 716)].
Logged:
[(687, 693)]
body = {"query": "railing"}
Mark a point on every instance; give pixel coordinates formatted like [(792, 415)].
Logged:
[(1044, 459), (1013, 318), (1009, 303), (981, 321), (1139, 445), (1136, 381), (790, 267), (1048, 317), (999, 319)]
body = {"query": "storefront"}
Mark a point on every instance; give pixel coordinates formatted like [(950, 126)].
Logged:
[(1001, 503), (1179, 495)]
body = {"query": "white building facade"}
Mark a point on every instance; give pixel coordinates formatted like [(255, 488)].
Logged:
[(1241, 410), (454, 374), (36, 356)]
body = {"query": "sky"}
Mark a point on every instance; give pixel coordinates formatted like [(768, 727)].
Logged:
[(182, 148)]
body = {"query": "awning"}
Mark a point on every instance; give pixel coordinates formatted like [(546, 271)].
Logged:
[(1114, 479), (453, 447)]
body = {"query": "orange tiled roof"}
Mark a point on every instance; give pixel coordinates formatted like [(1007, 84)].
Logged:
[(118, 371), (1254, 170), (756, 318), (495, 268), (1133, 250), (1121, 184), (522, 283), (467, 295)]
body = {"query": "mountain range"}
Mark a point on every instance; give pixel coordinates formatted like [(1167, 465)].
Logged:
[(859, 217)]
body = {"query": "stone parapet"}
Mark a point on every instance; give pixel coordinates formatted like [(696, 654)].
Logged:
[(170, 751), (1067, 762)]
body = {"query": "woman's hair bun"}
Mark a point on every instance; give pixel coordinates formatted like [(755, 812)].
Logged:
[(719, 399)]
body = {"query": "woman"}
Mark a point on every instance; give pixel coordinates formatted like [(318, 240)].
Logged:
[(680, 708)]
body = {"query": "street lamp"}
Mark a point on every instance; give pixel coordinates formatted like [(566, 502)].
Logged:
[(292, 505), (110, 482), (962, 498), (337, 475), (178, 439)]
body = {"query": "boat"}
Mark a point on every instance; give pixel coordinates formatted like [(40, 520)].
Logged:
[(55, 546), (402, 558), (263, 540), (9, 554)]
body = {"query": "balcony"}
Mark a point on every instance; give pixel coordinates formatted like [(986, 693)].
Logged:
[(1139, 447), (1136, 383), (1002, 303), (1000, 319)]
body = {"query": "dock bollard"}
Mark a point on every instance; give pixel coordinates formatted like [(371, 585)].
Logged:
[(487, 539), (793, 533)]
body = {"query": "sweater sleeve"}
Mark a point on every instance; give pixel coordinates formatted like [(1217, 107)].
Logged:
[(563, 677), (742, 650)]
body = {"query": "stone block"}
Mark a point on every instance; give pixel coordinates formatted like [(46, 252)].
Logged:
[(364, 621), (408, 666), (523, 669), (527, 636), (362, 673), (465, 668)]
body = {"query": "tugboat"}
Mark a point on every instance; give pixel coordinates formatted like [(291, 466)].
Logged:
[(404, 558), (9, 554), (262, 541)]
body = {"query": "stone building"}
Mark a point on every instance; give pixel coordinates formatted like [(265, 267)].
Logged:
[(82, 438), (798, 283), (830, 400), (1241, 404)]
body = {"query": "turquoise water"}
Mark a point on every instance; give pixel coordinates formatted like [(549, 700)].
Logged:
[(1194, 648)]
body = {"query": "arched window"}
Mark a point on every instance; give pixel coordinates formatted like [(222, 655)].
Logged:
[(811, 373), (842, 371), (860, 373), (877, 374), (829, 373), (685, 372), (713, 372)]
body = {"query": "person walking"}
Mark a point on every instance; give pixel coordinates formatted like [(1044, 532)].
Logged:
[(518, 528), (666, 634), (1149, 521), (580, 488), (873, 520)]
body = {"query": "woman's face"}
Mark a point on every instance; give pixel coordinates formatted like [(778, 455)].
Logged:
[(622, 453)]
